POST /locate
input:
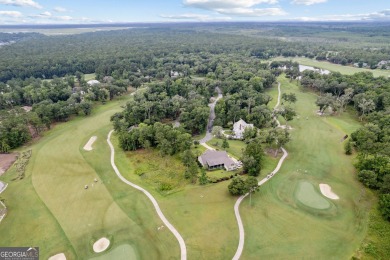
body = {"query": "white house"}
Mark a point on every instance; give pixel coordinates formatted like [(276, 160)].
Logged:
[(93, 82), (239, 128)]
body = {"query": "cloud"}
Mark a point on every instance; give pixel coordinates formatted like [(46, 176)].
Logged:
[(47, 16), (60, 9), (383, 15), (13, 14), (252, 12), (308, 2), (22, 3), (41, 15), (243, 8), (226, 4), (198, 17), (65, 18)]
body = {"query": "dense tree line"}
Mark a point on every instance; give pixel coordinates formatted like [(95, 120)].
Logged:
[(184, 100), (364, 92), (49, 101), (10, 38), (155, 51), (13, 129), (373, 145), (166, 138), (245, 98)]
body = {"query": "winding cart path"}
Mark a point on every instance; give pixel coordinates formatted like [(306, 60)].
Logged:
[(179, 238), (240, 199)]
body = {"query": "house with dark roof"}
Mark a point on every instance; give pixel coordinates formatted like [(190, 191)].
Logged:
[(216, 160)]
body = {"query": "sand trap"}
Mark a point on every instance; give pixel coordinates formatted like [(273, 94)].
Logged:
[(101, 245), (88, 146), (60, 256), (326, 190)]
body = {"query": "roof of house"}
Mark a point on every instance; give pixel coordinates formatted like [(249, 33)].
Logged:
[(241, 124), (93, 82), (214, 158)]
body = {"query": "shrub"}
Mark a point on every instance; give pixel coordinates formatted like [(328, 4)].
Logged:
[(384, 205), (348, 147)]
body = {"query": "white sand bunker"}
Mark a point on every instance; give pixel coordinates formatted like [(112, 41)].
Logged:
[(101, 245), (326, 190), (60, 256), (88, 146)]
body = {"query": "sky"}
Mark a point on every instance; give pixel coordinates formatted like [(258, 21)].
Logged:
[(122, 11)]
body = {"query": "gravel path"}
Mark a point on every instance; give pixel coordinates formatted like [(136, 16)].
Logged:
[(182, 244), (240, 199), (210, 123)]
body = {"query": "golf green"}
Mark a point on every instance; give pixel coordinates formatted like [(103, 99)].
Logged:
[(122, 252), (307, 195)]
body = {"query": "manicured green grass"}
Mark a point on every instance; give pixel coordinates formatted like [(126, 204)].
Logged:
[(122, 252), (216, 174), (307, 194), (52, 209), (69, 218), (292, 232), (273, 92), (202, 214), (348, 70), (29, 221), (235, 146), (89, 76)]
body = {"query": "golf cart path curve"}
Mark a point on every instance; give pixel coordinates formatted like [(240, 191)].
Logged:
[(241, 241), (179, 238)]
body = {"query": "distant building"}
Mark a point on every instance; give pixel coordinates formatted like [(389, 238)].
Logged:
[(216, 160), (93, 82), (174, 74), (27, 108), (239, 128), (384, 64)]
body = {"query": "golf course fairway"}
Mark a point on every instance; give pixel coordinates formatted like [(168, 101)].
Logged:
[(276, 225), (65, 217)]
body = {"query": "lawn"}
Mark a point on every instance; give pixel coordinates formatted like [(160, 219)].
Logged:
[(292, 231), (202, 214), (349, 70), (62, 216), (122, 252), (88, 77), (235, 146), (51, 209)]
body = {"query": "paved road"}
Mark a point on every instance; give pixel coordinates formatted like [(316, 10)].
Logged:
[(210, 123), (183, 249), (240, 199)]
